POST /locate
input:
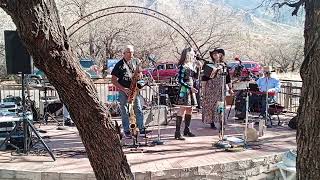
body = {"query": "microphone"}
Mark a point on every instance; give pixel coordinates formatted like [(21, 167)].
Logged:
[(200, 58)]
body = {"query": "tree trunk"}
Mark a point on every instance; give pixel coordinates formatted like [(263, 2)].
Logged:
[(308, 135), (40, 29)]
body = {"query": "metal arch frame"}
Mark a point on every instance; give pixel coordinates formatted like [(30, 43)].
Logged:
[(80, 23)]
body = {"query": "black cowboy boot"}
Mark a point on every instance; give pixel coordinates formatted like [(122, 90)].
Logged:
[(177, 134), (187, 120)]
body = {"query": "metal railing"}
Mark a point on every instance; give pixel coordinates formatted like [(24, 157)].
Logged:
[(35, 94), (107, 92), (288, 96)]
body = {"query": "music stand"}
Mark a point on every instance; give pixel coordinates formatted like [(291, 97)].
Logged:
[(158, 140), (267, 115), (26, 125)]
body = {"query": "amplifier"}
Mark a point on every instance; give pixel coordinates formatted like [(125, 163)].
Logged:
[(151, 116)]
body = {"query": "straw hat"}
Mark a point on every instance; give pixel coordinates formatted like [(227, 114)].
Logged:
[(267, 69)]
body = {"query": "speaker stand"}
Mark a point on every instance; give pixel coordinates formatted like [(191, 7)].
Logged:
[(27, 124)]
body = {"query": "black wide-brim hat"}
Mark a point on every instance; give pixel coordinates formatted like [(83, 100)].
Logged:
[(213, 51), (217, 50)]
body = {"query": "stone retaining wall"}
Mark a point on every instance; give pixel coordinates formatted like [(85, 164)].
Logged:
[(260, 168)]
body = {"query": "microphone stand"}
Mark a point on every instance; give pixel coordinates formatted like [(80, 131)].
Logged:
[(222, 144), (247, 117), (267, 105), (198, 85), (158, 140), (222, 109), (250, 76)]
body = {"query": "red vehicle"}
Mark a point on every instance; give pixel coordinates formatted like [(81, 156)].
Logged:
[(164, 71), (247, 66)]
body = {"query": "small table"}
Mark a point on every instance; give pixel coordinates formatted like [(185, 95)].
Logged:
[(9, 119), (283, 169), (6, 119)]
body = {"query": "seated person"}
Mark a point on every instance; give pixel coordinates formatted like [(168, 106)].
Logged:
[(257, 100), (267, 84)]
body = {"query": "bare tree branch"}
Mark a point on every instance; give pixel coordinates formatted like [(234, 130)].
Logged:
[(175, 45), (296, 6), (3, 4), (262, 4)]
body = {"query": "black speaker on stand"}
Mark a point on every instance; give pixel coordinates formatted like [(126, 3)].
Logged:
[(18, 60)]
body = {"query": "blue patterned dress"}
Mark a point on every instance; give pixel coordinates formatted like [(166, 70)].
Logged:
[(185, 79)]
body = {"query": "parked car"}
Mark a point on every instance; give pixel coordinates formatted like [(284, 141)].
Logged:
[(37, 77), (147, 71), (92, 70), (247, 67), (165, 71)]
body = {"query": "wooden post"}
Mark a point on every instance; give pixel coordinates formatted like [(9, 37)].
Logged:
[(286, 97)]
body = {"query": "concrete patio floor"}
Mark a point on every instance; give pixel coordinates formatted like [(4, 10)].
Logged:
[(194, 158)]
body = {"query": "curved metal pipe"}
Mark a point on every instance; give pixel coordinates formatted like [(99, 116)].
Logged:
[(98, 17), (143, 13)]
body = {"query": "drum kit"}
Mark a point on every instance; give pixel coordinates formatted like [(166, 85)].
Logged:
[(250, 89)]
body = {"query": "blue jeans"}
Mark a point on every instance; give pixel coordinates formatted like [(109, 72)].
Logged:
[(65, 113), (123, 99), (271, 100)]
